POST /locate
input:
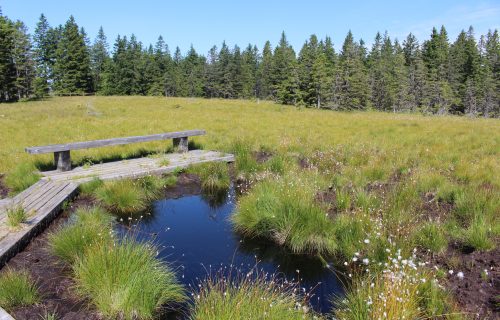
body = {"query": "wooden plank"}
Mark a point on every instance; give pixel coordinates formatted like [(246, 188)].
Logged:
[(4, 315), (15, 241), (152, 164), (26, 193), (127, 165), (35, 206), (37, 193), (112, 142)]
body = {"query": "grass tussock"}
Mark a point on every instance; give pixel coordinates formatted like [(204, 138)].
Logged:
[(126, 197), (285, 211), (22, 176), (88, 188), (15, 216), (214, 177), (122, 197), (403, 290), (431, 237), (125, 280), (248, 297), (17, 289), (88, 227)]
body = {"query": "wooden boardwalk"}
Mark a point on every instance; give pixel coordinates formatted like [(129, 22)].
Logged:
[(43, 200)]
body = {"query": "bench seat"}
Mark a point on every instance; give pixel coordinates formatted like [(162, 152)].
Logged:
[(62, 157)]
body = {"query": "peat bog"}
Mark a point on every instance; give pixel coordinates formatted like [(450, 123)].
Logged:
[(198, 239)]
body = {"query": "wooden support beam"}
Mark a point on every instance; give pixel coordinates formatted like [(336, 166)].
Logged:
[(62, 160), (181, 144)]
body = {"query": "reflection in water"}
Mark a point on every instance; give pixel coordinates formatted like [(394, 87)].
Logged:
[(197, 238)]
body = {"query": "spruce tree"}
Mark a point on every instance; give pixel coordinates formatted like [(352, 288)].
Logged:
[(99, 59), (250, 63), (264, 82), (351, 86), (8, 90), (23, 60), (284, 75), (72, 74), (211, 86), (44, 51)]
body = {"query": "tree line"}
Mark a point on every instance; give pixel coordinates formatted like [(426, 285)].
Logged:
[(436, 76)]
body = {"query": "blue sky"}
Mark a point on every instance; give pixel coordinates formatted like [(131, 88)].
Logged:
[(205, 23)]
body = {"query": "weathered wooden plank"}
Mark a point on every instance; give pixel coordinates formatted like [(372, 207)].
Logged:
[(35, 206), (15, 241), (32, 189), (113, 142), (4, 315), (37, 194), (134, 164)]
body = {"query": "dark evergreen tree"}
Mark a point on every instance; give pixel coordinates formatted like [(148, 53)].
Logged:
[(284, 73), (44, 52), (351, 86), (99, 60), (23, 61), (264, 81), (249, 67), (8, 90), (72, 74)]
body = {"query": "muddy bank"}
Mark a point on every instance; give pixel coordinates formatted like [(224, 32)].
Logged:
[(477, 293), (52, 277)]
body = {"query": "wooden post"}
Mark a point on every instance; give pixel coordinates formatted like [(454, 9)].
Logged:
[(181, 144), (62, 160)]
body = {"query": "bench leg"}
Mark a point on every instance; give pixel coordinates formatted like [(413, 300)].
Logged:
[(181, 144), (62, 160)]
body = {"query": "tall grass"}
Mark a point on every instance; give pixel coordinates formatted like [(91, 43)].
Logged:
[(214, 177), (284, 210), (123, 196), (248, 297), (15, 216), (431, 236), (17, 289), (125, 280), (22, 176), (402, 290), (88, 188), (88, 227)]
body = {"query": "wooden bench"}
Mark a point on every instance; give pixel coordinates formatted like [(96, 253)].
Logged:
[(62, 157)]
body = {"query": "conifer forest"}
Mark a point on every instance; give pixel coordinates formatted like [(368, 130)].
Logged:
[(436, 75)]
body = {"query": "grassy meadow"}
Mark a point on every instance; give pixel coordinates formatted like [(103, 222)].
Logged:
[(382, 193)]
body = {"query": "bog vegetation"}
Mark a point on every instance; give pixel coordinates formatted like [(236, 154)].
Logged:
[(437, 75), (381, 192)]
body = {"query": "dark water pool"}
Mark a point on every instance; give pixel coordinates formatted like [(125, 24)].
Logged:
[(197, 238)]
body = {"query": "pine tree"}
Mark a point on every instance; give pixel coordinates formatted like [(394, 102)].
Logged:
[(439, 95), (264, 82), (284, 75), (351, 86), (44, 51), (8, 90), (306, 60), (250, 63), (72, 73), (236, 71), (416, 72), (23, 60), (193, 68), (211, 88), (99, 59)]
